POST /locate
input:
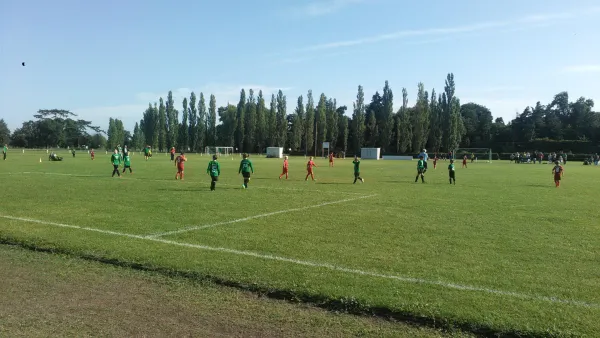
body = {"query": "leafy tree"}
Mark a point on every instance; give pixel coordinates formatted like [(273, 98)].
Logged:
[(435, 128), (456, 126), (212, 121), (162, 126), (358, 119), (250, 122), (298, 125), (321, 121), (272, 122), (373, 116), (332, 123), (447, 99), (404, 125), (172, 122), (239, 134), (195, 132), (183, 128), (309, 122), (98, 141), (112, 134), (387, 118), (420, 119), (372, 131), (4, 133), (203, 122), (261, 123), (344, 127), (282, 122)]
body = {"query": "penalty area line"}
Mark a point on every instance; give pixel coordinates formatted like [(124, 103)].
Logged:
[(200, 227), (332, 267)]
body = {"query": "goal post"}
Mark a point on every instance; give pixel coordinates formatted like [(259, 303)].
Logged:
[(484, 154), (219, 151)]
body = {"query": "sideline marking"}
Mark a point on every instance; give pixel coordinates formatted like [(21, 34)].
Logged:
[(199, 227), (180, 182), (322, 265)]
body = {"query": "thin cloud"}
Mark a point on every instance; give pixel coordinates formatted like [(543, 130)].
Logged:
[(536, 20), (323, 7), (582, 69)]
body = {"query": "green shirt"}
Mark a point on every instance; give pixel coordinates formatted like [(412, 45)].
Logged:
[(451, 167), (421, 164), (356, 166), (214, 168), (4, 150), (146, 150), (246, 166), (115, 159), (127, 160)]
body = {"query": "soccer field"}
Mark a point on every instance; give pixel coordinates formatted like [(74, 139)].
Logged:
[(502, 251)]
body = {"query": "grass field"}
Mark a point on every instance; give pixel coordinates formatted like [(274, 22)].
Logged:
[(502, 252)]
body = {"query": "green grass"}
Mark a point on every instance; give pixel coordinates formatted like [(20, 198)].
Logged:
[(53, 295), (503, 227)]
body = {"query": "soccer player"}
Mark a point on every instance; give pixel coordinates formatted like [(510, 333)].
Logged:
[(147, 152), (451, 172), (356, 163), (214, 170), (558, 171), (285, 168), (92, 154), (73, 152), (309, 169), (435, 159), (127, 163), (331, 159), (464, 164), (115, 159), (4, 151), (425, 157), (125, 151), (420, 169), (179, 163), (245, 169), (172, 153)]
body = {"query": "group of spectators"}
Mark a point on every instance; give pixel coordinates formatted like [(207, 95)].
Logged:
[(538, 157)]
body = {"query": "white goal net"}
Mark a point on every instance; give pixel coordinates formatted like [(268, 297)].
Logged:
[(219, 151), (474, 154)]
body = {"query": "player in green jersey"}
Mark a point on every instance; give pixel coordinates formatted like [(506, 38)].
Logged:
[(214, 170), (420, 170), (146, 152), (4, 151), (127, 163), (73, 152), (356, 163), (451, 172), (245, 169), (115, 159)]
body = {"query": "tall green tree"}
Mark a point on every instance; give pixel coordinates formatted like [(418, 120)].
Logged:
[(203, 125), (272, 122), (240, 132), (332, 122), (195, 133), (172, 121), (456, 127), (250, 128), (309, 123), (261, 123), (321, 122), (298, 125), (420, 119), (112, 134), (447, 99), (344, 127), (404, 125), (387, 118), (373, 116), (4, 133), (162, 126), (184, 141), (212, 121), (138, 138), (435, 130), (282, 122), (358, 120), (226, 130), (372, 131)]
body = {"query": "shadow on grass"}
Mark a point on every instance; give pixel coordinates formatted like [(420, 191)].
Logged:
[(343, 304)]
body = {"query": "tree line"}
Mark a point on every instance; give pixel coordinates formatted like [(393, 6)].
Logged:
[(438, 122)]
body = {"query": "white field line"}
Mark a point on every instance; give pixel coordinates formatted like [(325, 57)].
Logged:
[(328, 266), (200, 227), (196, 182)]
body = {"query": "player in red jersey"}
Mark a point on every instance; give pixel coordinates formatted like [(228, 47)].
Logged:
[(558, 171), (435, 159), (309, 169), (179, 163), (172, 153), (92, 154), (285, 169), (331, 159), (464, 165)]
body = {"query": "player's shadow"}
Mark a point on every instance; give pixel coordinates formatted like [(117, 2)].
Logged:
[(537, 185)]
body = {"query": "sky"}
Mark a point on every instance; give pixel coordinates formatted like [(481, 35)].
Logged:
[(102, 59)]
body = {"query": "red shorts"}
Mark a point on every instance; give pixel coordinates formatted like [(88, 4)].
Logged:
[(180, 168), (557, 177), (285, 170)]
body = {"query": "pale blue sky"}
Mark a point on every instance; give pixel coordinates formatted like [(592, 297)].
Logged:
[(108, 58)]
